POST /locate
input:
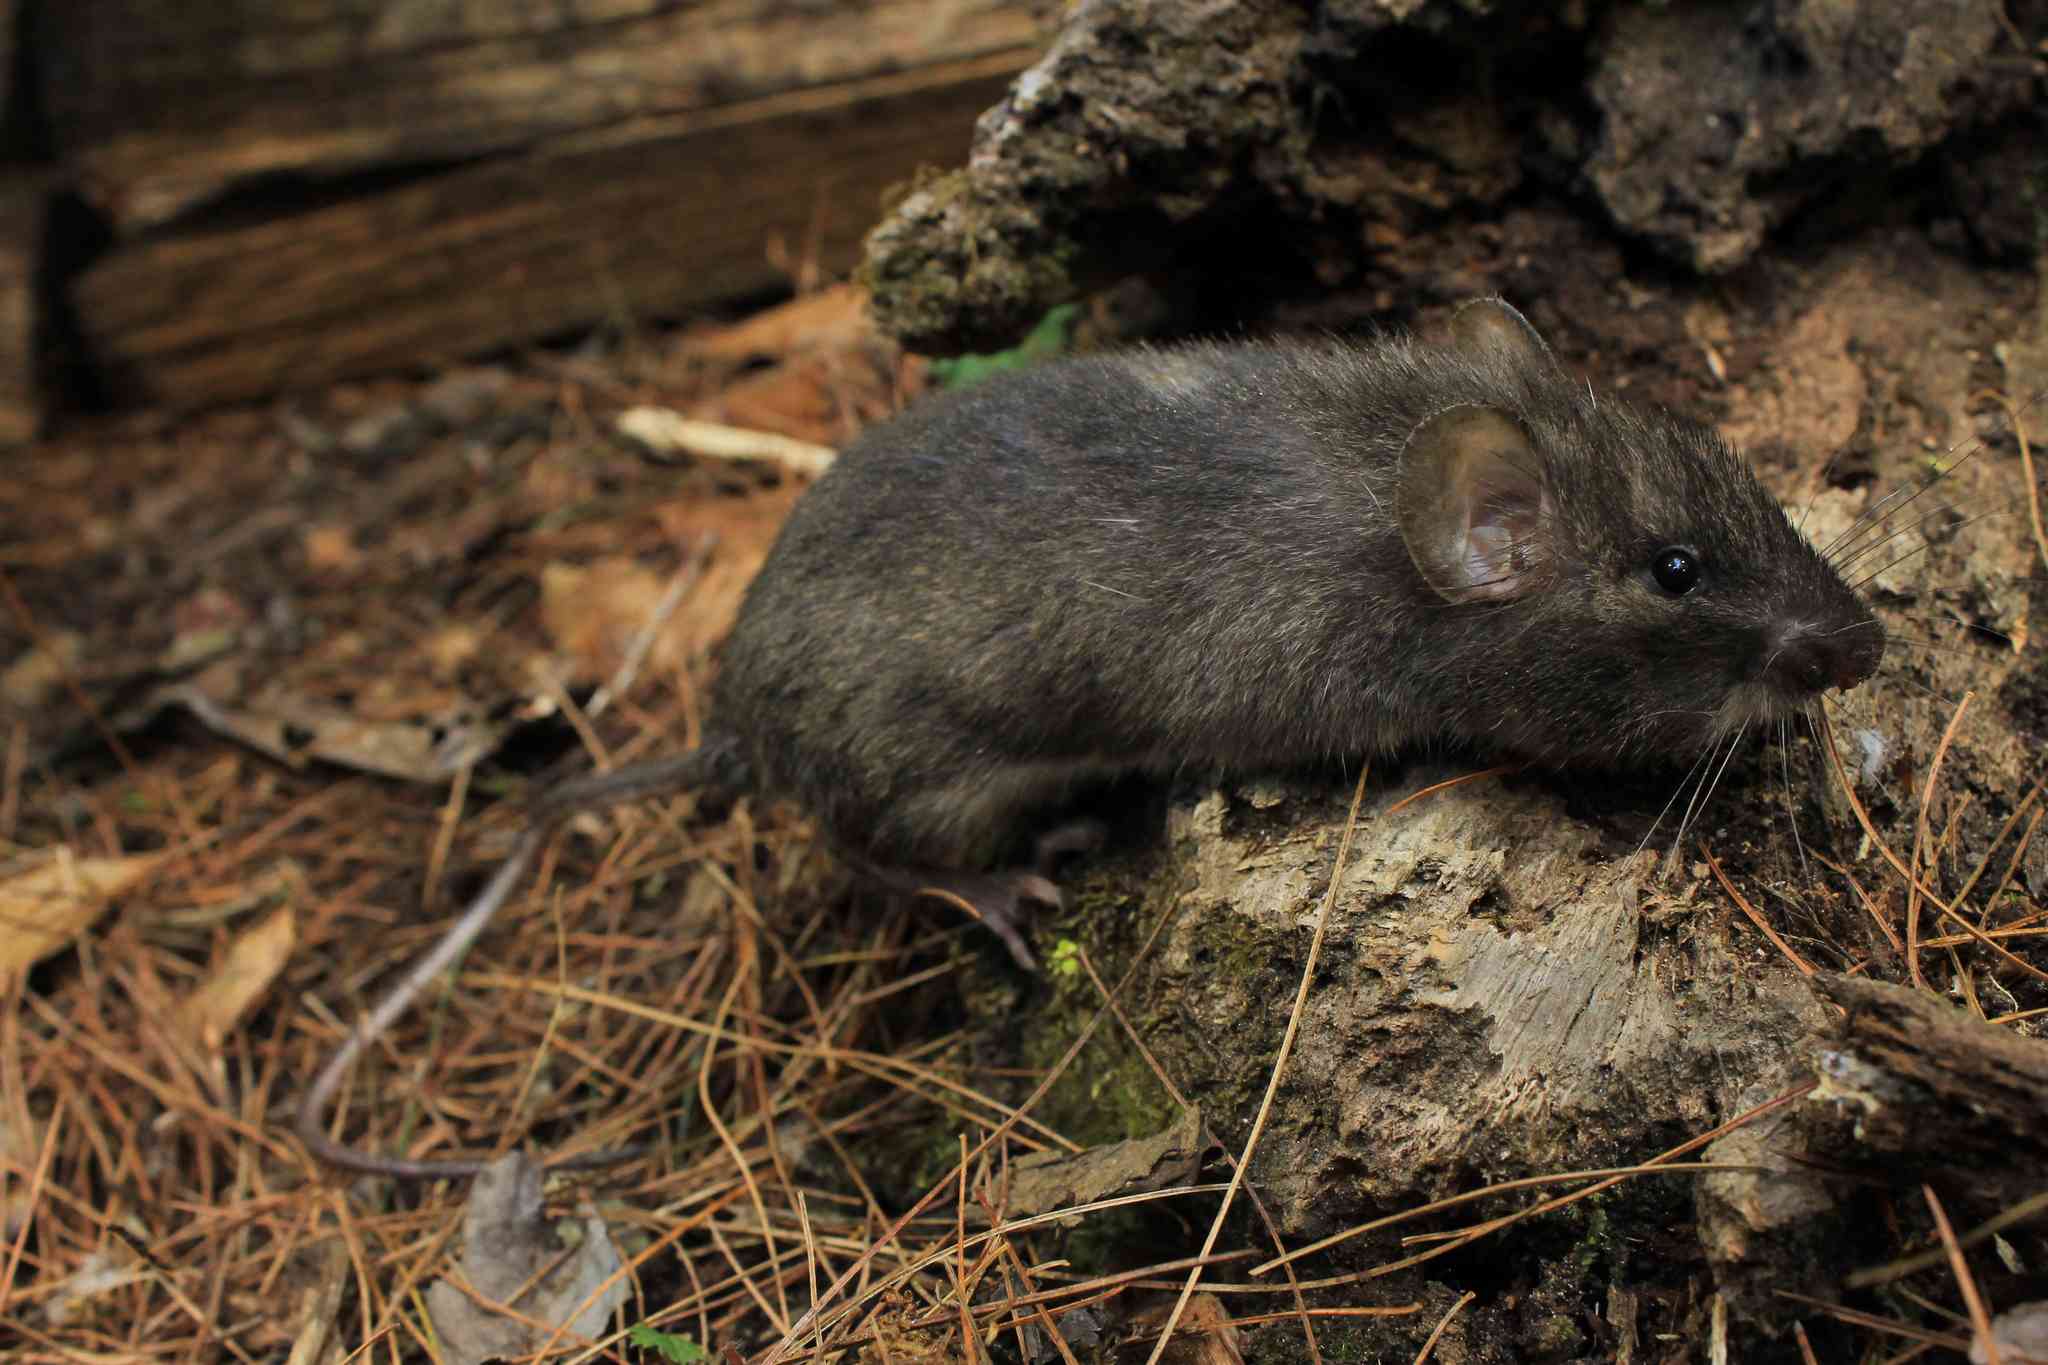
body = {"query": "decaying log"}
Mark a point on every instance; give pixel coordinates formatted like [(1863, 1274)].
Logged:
[(9, 17), (1910, 1088), (1933, 1085), (1504, 992), (24, 207), (157, 105), (646, 220), (1348, 127)]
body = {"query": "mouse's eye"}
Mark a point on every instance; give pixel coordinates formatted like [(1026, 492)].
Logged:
[(1676, 570)]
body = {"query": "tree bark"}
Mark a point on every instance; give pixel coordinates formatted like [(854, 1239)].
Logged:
[(645, 221), (159, 105)]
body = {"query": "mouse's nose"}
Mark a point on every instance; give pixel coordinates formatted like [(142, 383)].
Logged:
[(1809, 658)]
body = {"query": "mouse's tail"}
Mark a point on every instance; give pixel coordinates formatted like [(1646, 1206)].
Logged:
[(715, 767)]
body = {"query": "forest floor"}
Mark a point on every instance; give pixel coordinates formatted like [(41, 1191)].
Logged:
[(287, 673)]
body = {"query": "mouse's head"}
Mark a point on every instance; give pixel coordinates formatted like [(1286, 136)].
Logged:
[(1651, 594)]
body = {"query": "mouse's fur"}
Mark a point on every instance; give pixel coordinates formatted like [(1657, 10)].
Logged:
[(1193, 557), (1239, 557)]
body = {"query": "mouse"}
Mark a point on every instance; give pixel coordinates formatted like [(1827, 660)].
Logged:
[(1227, 556)]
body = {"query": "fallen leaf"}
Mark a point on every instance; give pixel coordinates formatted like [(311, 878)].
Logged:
[(745, 528), (803, 398), (507, 1244), (417, 748), (38, 675), (244, 973), (1046, 1181), (331, 549), (452, 646), (829, 318), (44, 909), (593, 611), (317, 1309)]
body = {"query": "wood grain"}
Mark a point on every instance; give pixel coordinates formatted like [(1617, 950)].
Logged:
[(1934, 1082), (24, 209), (159, 105), (645, 219)]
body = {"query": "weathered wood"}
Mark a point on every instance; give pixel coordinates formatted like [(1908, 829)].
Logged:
[(644, 220), (158, 105), (24, 205), (1717, 124), (10, 14), (1931, 1082)]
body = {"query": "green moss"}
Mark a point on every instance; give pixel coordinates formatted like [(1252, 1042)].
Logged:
[(1049, 338), (1108, 1093), (957, 274), (667, 1345), (1557, 1335)]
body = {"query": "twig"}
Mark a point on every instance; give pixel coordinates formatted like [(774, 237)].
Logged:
[(1251, 1142), (1429, 1345), (1980, 1320), (1742, 903), (1920, 841)]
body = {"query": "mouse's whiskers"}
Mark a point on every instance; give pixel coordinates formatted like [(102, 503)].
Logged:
[(1905, 644), (1703, 790), (1683, 782), (1943, 519), (1932, 621), (1791, 802), (1842, 549), (1913, 682), (1923, 545), (1881, 512)]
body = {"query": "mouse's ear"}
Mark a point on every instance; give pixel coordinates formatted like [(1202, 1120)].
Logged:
[(1494, 325), (1472, 507)]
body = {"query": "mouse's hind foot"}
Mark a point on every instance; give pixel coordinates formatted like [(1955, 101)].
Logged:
[(997, 899), (1001, 899)]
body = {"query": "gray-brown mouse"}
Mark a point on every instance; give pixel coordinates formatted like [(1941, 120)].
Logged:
[(1240, 557)]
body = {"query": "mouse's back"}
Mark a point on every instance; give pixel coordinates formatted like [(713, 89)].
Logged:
[(1257, 555)]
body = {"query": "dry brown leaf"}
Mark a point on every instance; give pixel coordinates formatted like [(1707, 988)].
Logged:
[(43, 909), (745, 528), (331, 549), (238, 980), (291, 729), (830, 318), (805, 398), (512, 1255), (451, 646), (37, 675), (593, 611)]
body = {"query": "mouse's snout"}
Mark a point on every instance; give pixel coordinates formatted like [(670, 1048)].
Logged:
[(1807, 657)]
